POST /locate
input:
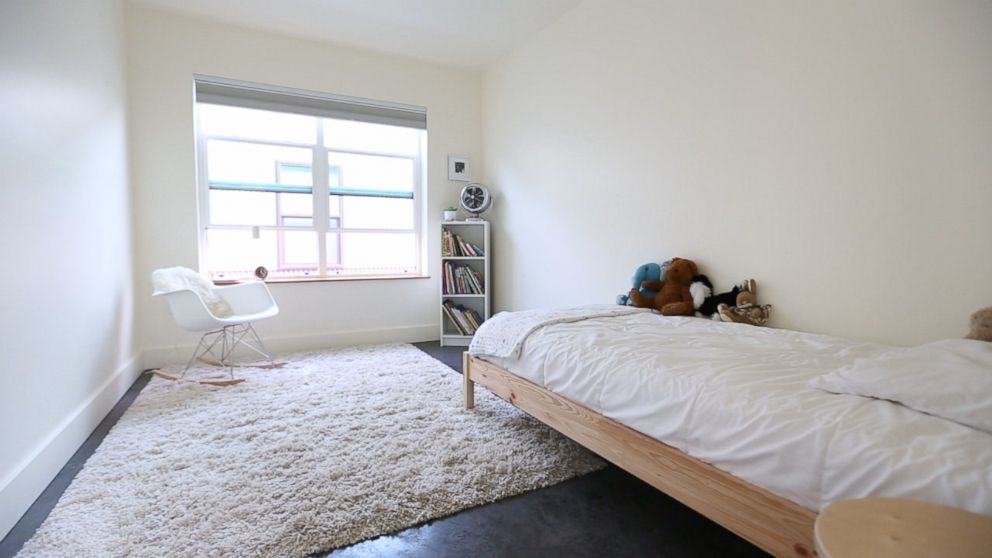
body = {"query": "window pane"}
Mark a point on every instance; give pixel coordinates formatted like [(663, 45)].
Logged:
[(297, 221), (296, 174), (335, 206), (242, 208), (295, 205), (377, 213), (298, 250), (372, 174), (333, 251), (231, 207), (219, 120), (235, 253), (378, 253), (232, 164), (363, 136)]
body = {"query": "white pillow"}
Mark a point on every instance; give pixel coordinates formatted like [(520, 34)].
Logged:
[(950, 379)]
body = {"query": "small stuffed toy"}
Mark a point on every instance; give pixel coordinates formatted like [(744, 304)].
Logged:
[(747, 313), (706, 302), (981, 325), (701, 290), (746, 309), (647, 272), (674, 297)]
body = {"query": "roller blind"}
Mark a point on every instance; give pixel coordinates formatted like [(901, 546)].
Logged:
[(223, 91)]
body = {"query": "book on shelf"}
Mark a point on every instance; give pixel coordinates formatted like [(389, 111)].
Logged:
[(451, 318), (465, 320), (476, 280), (454, 246), (447, 244), (473, 318), (461, 279), (463, 246)]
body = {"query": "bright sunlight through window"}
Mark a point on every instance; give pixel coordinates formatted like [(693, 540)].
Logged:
[(307, 196)]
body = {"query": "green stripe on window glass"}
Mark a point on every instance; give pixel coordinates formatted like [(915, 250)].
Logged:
[(370, 193), (261, 187), (296, 189)]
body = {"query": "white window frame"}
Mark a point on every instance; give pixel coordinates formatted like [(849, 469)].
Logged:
[(321, 205)]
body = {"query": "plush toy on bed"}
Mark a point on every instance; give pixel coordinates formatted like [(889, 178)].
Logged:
[(673, 296), (648, 272), (739, 304), (707, 303), (746, 309), (748, 313), (981, 325)]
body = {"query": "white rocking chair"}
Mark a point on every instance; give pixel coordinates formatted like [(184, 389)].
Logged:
[(249, 302)]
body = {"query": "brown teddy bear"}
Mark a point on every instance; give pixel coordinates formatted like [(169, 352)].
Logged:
[(981, 325), (674, 297)]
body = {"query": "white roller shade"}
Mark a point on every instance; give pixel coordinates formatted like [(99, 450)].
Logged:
[(223, 91)]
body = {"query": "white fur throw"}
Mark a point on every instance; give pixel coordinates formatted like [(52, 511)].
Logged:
[(172, 279)]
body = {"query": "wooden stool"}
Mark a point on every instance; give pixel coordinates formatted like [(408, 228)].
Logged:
[(887, 527)]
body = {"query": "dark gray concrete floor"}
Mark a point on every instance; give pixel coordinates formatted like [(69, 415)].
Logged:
[(603, 514), (452, 356), (606, 513)]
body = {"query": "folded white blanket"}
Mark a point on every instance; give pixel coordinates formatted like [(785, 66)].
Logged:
[(172, 279), (504, 334)]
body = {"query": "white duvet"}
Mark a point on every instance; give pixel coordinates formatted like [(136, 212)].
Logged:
[(736, 396)]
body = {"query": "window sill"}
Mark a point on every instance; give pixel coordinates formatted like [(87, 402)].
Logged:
[(321, 279)]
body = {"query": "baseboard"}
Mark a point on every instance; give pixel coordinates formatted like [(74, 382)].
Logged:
[(163, 356), (23, 486)]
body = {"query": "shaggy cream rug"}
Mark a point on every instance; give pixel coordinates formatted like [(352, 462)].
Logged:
[(337, 447)]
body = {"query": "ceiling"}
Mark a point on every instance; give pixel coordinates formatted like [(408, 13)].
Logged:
[(469, 33)]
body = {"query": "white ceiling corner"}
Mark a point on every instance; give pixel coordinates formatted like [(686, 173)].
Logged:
[(468, 33)]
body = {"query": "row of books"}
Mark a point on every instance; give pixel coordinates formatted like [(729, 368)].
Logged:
[(453, 245), (462, 279), (465, 320)]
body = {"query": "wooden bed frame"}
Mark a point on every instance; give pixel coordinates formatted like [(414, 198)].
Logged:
[(778, 526)]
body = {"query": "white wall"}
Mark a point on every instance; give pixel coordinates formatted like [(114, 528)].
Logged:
[(67, 352), (839, 152), (165, 50)]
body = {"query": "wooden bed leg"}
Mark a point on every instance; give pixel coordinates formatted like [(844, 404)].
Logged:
[(469, 384)]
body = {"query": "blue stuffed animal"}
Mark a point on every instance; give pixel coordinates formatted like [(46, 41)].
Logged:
[(646, 272)]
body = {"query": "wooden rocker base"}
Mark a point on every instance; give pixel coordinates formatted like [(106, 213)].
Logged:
[(215, 362), (208, 382)]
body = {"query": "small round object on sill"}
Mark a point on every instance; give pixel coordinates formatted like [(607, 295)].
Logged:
[(261, 272)]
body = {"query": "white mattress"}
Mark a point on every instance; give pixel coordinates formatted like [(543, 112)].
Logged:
[(736, 396)]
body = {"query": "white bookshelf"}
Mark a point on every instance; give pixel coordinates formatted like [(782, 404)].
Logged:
[(476, 233)]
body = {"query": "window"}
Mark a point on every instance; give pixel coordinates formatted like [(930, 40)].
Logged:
[(307, 185)]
